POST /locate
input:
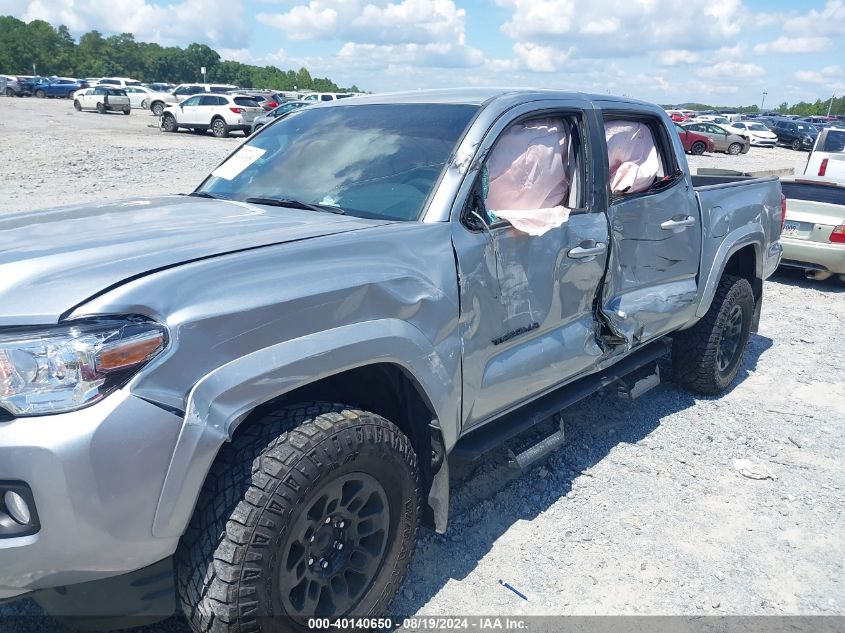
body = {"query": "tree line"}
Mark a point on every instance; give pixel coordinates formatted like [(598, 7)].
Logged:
[(39, 48), (802, 108)]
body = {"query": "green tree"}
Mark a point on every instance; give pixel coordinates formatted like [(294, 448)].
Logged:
[(53, 51), (303, 79)]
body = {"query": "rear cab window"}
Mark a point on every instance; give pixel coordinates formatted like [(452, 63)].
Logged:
[(640, 158)]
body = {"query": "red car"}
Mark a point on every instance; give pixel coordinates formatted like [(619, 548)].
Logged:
[(693, 142), (677, 117)]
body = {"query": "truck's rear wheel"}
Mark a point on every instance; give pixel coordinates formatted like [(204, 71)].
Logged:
[(707, 357), (312, 510)]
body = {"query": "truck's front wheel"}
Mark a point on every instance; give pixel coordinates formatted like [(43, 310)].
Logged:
[(310, 511), (707, 357)]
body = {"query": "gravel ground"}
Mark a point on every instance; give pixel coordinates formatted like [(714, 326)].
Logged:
[(643, 511)]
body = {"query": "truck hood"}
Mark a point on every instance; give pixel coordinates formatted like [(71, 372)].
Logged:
[(53, 260)]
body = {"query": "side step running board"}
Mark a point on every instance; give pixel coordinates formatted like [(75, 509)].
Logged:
[(493, 434), (539, 451)]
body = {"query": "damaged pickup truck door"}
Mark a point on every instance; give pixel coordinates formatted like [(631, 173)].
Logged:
[(527, 302), (655, 245)]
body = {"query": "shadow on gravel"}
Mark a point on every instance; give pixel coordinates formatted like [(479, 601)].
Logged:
[(796, 278), (489, 497)]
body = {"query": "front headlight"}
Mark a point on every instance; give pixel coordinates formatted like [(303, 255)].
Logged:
[(68, 367)]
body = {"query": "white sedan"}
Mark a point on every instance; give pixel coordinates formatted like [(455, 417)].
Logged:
[(146, 99), (757, 133)]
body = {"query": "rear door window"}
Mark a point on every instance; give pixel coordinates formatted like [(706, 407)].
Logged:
[(639, 158)]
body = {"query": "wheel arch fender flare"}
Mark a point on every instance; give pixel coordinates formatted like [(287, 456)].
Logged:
[(750, 234), (224, 397)]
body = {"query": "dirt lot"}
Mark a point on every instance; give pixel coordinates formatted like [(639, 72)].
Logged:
[(643, 511)]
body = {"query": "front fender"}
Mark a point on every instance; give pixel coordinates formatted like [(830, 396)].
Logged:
[(221, 400)]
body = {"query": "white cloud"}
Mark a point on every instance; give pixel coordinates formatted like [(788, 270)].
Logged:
[(378, 33), (217, 22), (539, 59), (437, 55), (828, 21), (605, 28), (794, 45), (373, 21), (731, 71), (673, 57), (830, 76)]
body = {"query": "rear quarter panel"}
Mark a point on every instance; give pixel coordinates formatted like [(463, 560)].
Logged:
[(735, 215)]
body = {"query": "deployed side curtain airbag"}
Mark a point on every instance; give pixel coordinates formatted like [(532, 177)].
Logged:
[(631, 156), (528, 175)]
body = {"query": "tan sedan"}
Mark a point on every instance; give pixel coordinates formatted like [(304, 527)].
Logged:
[(723, 140), (813, 237)]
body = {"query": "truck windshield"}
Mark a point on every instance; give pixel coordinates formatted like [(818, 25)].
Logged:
[(376, 161)]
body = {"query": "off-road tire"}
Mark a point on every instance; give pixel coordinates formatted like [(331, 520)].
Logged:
[(219, 128), (229, 561), (101, 108), (698, 148), (695, 351)]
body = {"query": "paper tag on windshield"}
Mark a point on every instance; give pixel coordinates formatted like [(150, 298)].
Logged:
[(245, 157)]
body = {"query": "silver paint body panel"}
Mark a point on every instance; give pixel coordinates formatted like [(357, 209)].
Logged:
[(260, 301)]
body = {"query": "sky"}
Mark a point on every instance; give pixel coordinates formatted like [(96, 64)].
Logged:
[(721, 52)]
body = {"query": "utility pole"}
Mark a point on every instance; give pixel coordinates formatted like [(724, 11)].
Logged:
[(763, 101), (830, 105)]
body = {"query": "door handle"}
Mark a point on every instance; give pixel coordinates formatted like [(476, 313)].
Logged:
[(583, 252), (678, 223)]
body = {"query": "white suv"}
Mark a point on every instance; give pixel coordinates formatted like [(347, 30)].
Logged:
[(183, 91), (219, 113)]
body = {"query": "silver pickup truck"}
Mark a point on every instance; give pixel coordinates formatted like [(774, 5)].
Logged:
[(253, 393)]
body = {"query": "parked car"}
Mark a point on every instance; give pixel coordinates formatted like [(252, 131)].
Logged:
[(12, 85), (710, 118), (103, 99), (147, 99), (723, 140), (828, 155), (183, 91), (220, 113), (326, 96), (118, 82), (795, 134), (756, 133), (198, 385), (28, 82), (693, 142), (275, 113), (813, 236), (58, 87), (161, 87), (677, 117)]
